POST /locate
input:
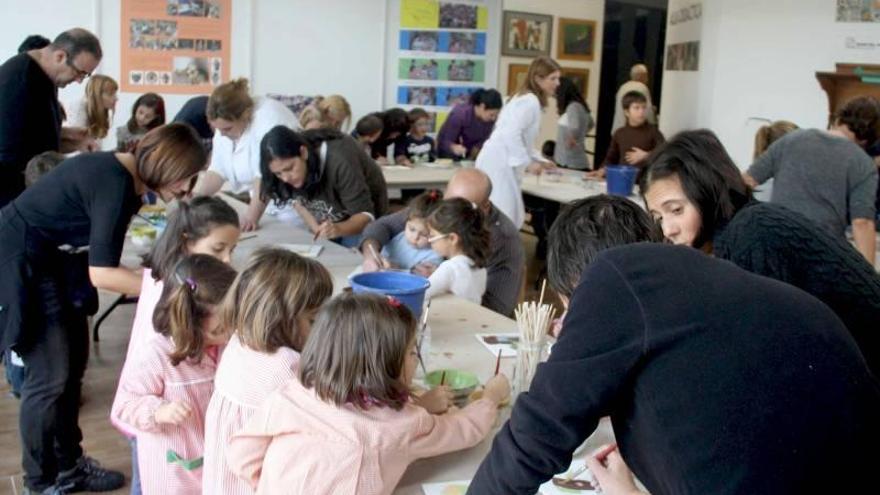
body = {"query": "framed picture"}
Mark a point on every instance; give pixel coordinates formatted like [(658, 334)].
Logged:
[(577, 40), (526, 35), (516, 76), (580, 78)]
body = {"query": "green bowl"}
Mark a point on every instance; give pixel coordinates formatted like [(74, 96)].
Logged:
[(461, 382)]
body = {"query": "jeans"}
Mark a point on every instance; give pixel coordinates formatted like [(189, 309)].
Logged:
[(14, 372), (55, 360), (135, 473)]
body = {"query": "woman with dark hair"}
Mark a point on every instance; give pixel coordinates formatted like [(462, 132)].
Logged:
[(313, 169), (395, 123), (60, 237), (575, 121), (698, 196), (147, 113), (469, 125)]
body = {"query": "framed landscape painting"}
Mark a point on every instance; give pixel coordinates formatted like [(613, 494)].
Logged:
[(577, 40)]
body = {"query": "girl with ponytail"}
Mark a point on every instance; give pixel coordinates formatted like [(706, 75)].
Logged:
[(205, 225), (165, 394)]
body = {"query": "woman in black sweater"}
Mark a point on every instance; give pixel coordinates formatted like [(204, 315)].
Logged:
[(697, 194)]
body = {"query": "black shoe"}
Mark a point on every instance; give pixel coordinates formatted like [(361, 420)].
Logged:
[(88, 476)]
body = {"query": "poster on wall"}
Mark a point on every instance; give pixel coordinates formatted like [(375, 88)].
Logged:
[(683, 56), (442, 54), (175, 46), (858, 10)]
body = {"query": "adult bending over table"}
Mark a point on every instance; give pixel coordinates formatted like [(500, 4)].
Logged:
[(240, 122), (30, 115), (507, 261), (87, 202), (717, 380), (510, 149), (469, 125), (697, 194), (313, 171)]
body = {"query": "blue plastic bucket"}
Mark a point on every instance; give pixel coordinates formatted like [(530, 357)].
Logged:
[(407, 288), (620, 179)]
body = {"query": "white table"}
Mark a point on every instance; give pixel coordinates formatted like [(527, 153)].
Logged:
[(566, 187), (418, 177)]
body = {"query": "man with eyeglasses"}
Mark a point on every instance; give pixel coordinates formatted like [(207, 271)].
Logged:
[(30, 115)]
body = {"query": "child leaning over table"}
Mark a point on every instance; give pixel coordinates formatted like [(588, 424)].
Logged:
[(632, 143), (347, 425), (416, 146)]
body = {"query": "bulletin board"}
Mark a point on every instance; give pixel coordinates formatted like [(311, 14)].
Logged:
[(175, 46), (439, 52)]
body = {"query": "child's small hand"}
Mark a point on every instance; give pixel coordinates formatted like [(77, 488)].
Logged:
[(173, 413), (497, 389), (635, 155), (437, 400)]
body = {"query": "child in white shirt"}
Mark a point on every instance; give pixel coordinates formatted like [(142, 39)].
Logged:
[(459, 234)]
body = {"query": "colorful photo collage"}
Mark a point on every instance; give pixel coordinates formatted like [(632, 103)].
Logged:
[(187, 71), (433, 96), (193, 8), (152, 34), (465, 70), (443, 42)]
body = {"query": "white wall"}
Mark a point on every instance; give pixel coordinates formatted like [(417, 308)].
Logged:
[(758, 59), (574, 9)]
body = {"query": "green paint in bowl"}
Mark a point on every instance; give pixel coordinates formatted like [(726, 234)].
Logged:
[(458, 381)]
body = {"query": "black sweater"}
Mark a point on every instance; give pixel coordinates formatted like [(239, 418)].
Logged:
[(771, 240), (717, 381)]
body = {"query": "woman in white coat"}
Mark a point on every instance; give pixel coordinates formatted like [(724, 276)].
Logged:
[(509, 151), (240, 122)]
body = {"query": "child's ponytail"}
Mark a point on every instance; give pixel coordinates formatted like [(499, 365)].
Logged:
[(197, 284), (464, 218)]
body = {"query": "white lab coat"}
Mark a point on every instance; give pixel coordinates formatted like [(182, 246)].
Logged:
[(508, 151), (239, 162)]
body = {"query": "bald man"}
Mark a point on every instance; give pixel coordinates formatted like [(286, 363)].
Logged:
[(638, 76), (507, 261)]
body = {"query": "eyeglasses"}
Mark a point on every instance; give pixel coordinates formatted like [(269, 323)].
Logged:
[(437, 237), (80, 74)]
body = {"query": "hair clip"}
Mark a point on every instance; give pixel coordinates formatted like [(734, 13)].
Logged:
[(191, 284), (434, 194), (393, 301), (474, 206)]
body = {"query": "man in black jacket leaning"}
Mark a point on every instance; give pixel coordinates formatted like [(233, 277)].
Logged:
[(716, 380)]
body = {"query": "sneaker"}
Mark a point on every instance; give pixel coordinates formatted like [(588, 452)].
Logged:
[(88, 476), (46, 491)]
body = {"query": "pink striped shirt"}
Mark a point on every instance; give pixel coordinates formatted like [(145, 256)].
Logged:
[(141, 332), (151, 382), (299, 444), (245, 378)]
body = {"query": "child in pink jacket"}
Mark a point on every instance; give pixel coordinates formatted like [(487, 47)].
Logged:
[(270, 306), (347, 425), (166, 391)]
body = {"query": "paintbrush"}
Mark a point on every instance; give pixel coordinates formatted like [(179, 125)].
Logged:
[(422, 337), (443, 378), (498, 362), (247, 238), (329, 218), (151, 222), (376, 257), (600, 456)]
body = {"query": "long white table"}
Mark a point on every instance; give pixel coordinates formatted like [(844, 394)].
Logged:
[(566, 187), (417, 177)]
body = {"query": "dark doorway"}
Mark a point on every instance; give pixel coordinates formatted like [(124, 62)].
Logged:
[(634, 32)]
